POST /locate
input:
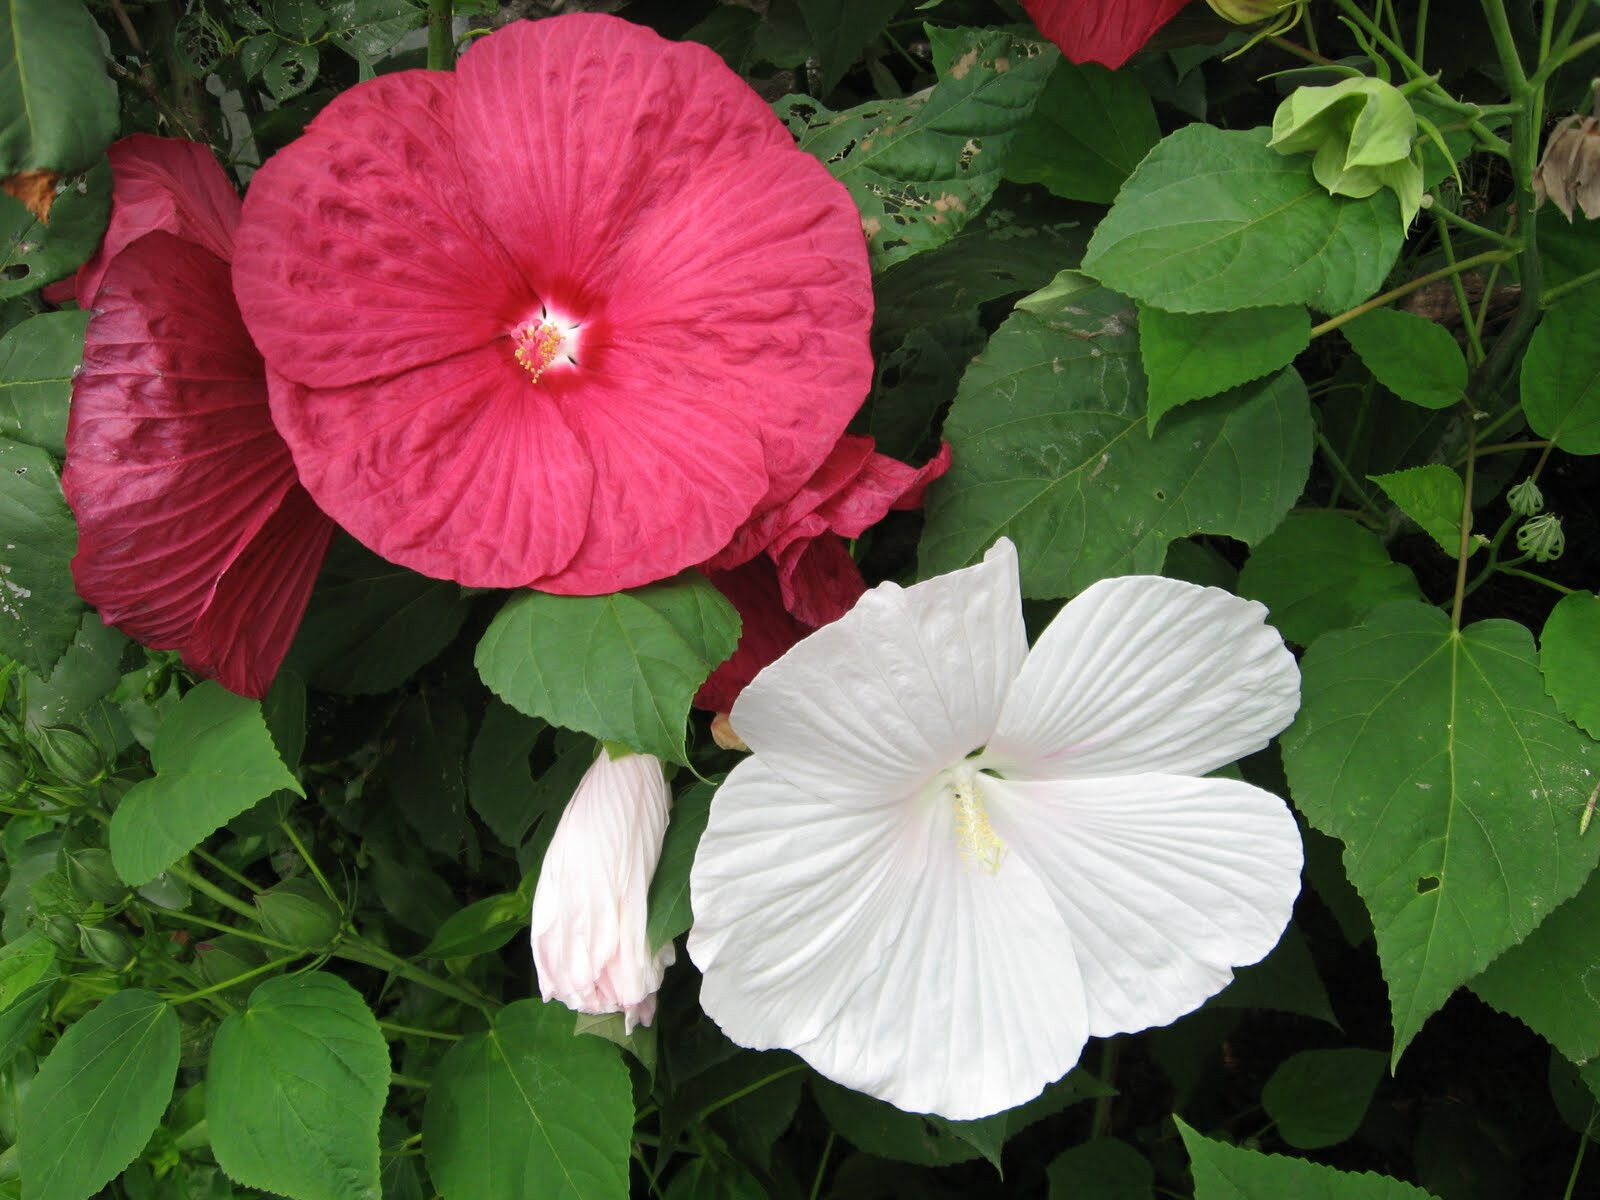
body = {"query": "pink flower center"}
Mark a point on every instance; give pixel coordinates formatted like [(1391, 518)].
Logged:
[(545, 341)]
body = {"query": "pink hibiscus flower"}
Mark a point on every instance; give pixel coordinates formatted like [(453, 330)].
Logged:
[(566, 318), (193, 533), (789, 571), (1101, 31)]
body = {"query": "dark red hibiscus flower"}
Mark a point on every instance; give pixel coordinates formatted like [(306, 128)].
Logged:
[(566, 318), (193, 533), (789, 572), (1101, 31)]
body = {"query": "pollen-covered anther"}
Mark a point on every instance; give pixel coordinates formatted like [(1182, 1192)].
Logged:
[(979, 844), (539, 343)]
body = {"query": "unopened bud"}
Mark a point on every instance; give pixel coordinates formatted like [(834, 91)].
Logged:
[(1248, 12), (61, 930), (1362, 133), (296, 912), (1525, 499), (1542, 537), (105, 946), (226, 958), (92, 876), (70, 755)]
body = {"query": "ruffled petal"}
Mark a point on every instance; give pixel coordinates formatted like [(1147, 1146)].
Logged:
[(818, 579), (245, 631), (861, 940), (906, 683), (456, 469), (1102, 31), (360, 254), (633, 178), (1142, 673), (766, 631), (173, 464), (166, 184), (1166, 882)]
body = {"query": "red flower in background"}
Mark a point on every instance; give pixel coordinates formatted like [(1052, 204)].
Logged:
[(566, 318), (789, 572), (1101, 31), (193, 533)]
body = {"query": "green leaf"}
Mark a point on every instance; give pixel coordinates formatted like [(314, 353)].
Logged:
[(89, 671), (1318, 1097), (1439, 761), (1432, 497), (1285, 981), (37, 359), (1052, 450), (28, 975), (1188, 356), (98, 1097), (1551, 982), (1415, 358), (527, 1109), (33, 253), (499, 774), (622, 667), (1569, 656), (60, 109), (213, 758), (668, 904), (480, 927), (919, 167), (425, 773), (371, 625), (1102, 1169), (1087, 133), (1224, 1172), (1214, 220), (841, 30), (1561, 374), (294, 1090), (1320, 571), (39, 608)]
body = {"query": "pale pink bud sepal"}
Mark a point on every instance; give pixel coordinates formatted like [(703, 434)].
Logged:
[(590, 906)]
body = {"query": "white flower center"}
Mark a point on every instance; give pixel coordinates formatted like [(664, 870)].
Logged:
[(980, 846)]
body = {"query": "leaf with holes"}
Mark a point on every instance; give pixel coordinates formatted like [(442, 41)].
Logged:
[(37, 359), (1087, 133), (39, 608), (1052, 450), (1561, 374), (1215, 220), (97, 1098), (919, 167), (1454, 784), (295, 1088), (33, 253), (58, 109), (622, 667), (1320, 571), (527, 1109), (1569, 656), (1432, 497)]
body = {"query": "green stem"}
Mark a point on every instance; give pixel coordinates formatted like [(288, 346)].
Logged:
[(1551, 295), (1529, 575), (206, 888), (216, 864), (185, 918), (1465, 549), (413, 1031), (441, 40), (358, 949), (408, 1081), (745, 1091), (1405, 289), (1422, 31), (1473, 343), (1577, 50), (311, 865), (228, 983), (1508, 447), (1346, 476), (822, 1166), (1100, 1122), (1472, 227)]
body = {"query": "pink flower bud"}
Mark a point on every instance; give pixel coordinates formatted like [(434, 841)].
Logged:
[(589, 909)]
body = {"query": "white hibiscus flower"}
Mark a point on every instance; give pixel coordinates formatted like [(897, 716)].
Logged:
[(952, 859)]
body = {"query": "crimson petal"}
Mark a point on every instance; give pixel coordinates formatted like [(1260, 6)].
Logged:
[(1101, 31)]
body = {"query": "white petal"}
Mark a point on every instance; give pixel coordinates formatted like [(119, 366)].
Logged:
[(1146, 674), (862, 941), (590, 906), (905, 683), (1166, 882)]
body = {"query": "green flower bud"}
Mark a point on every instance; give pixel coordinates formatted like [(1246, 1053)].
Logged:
[(105, 946), (298, 913), (227, 958), (1248, 12), (1542, 537), (92, 876), (13, 775), (1362, 133), (1525, 499), (62, 930), (71, 755)]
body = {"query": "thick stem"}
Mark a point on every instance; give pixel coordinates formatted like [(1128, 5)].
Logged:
[(441, 36)]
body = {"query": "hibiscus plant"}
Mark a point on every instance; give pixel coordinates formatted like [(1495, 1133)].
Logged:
[(797, 599)]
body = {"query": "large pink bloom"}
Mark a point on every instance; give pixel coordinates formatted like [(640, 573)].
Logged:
[(1101, 31), (193, 534), (789, 571), (566, 318)]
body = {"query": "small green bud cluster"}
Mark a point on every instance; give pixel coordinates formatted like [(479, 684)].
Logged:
[(1542, 537), (1525, 499)]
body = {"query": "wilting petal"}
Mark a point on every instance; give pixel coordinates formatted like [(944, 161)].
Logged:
[(1145, 674), (1101, 31), (360, 254), (1166, 883), (818, 579), (907, 682), (766, 630), (864, 942), (589, 908), (165, 184), (173, 465)]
